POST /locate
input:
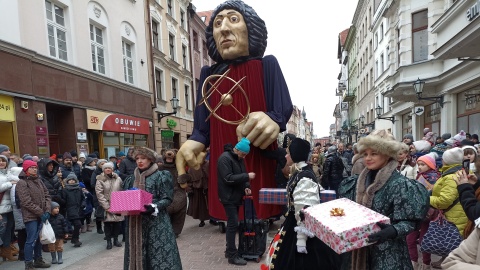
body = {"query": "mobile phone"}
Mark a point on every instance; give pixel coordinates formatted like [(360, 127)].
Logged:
[(466, 165)]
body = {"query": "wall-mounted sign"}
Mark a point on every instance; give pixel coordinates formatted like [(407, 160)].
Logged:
[(82, 148), (81, 136), (42, 141), (7, 113), (117, 122), (167, 133), (42, 150), (41, 130)]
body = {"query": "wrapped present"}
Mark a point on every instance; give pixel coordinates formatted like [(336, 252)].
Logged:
[(327, 195), (273, 196), (342, 224), (129, 202)]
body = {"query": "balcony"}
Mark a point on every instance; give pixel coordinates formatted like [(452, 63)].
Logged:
[(349, 95)]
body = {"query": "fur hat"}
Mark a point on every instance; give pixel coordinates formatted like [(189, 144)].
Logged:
[(453, 156), (381, 141), (67, 155), (429, 137), (4, 148), (243, 145), (446, 136), (54, 205), (422, 146), (147, 152), (107, 165), (299, 150), (27, 164), (429, 159)]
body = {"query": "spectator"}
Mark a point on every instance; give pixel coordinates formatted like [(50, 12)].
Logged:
[(406, 165), (87, 210), (74, 204), (17, 215), (332, 170), (475, 138), (198, 194), (82, 158), (87, 172), (69, 166), (357, 161), (5, 151), (408, 139), (99, 211), (59, 226), (47, 171), (128, 165), (6, 210)]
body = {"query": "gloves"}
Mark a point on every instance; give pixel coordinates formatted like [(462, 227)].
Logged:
[(149, 210), (302, 249), (45, 217), (387, 232)]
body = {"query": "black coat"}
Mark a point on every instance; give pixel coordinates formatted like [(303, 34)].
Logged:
[(127, 167), (74, 202), (59, 225), (232, 177), (50, 179), (76, 169), (332, 170), (86, 178)]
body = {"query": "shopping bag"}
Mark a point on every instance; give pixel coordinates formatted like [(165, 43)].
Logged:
[(441, 238), (47, 236)]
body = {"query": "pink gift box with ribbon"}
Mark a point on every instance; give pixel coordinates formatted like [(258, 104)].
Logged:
[(343, 233), (129, 202)]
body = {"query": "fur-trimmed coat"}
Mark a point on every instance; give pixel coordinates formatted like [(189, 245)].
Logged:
[(104, 187), (403, 200)]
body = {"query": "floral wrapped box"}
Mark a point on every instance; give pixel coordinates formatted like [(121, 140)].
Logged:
[(327, 195), (129, 202), (273, 196), (342, 224)]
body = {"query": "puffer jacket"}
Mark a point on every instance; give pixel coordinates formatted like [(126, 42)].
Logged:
[(50, 179), (33, 196), (332, 170), (445, 192), (5, 186), (232, 177), (72, 194), (104, 188), (59, 225)]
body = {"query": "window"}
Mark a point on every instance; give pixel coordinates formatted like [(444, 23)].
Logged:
[(195, 40), (171, 44), (127, 62), (376, 69), (98, 50), (158, 83), (382, 63), (57, 32), (420, 36), (155, 34), (387, 52), (376, 40), (366, 55), (170, 7), (371, 48), (174, 87), (204, 48), (182, 19), (184, 56), (187, 98), (398, 47), (381, 32)]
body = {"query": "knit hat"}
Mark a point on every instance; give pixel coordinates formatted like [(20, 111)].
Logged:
[(70, 176), (54, 205), (453, 156), (429, 137), (81, 184), (88, 160), (429, 159), (408, 136), (470, 147), (243, 145), (27, 157), (5, 158), (425, 131), (422, 146), (73, 153), (4, 148), (82, 155), (446, 136), (332, 149), (107, 165), (381, 141), (121, 154), (92, 155), (100, 162), (27, 164), (67, 155), (299, 150), (460, 136)]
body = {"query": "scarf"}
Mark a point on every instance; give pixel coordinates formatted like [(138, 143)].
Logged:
[(471, 224), (135, 222), (364, 196)]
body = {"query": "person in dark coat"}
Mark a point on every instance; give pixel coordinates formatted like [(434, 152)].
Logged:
[(47, 170), (198, 193), (233, 183), (87, 171), (283, 169), (59, 226), (332, 170), (67, 166), (74, 203), (127, 165)]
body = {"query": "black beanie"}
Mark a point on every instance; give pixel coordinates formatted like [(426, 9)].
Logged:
[(299, 150)]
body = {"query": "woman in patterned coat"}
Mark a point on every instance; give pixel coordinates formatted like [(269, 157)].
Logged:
[(383, 189), (153, 227)]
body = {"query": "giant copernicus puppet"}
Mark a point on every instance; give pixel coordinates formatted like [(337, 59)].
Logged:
[(236, 40)]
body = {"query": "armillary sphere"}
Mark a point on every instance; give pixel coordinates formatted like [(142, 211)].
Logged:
[(226, 98)]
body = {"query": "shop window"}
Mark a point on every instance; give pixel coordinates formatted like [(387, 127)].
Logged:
[(114, 142), (140, 139)]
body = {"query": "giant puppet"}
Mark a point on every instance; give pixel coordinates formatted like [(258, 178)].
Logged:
[(236, 40)]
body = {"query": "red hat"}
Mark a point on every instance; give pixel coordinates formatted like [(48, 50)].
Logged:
[(27, 164)]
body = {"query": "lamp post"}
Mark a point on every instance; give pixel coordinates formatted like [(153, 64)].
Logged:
[(379, 111), (418, 86), (362, 120), (174, 102)]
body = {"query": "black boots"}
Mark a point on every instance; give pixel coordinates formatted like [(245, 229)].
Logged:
[(76, 243), (54, 257), (99, 227), (39, 263), (116, 243), (109, 243)]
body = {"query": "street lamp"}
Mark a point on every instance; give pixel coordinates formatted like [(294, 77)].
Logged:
[(161, 115), (379, 110), (362, 119), (418, 86)]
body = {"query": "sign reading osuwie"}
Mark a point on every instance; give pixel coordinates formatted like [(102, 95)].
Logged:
[(117, 122)]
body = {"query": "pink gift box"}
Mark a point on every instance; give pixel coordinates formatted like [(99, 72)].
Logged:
[(129, 202), (343, 233), (273, 196)]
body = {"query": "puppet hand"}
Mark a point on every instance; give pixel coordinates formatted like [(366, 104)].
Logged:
[(190, 153), (302, 249), (259, 129)]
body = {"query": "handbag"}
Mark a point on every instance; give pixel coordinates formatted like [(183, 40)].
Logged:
[(441, 237), (47, 236)]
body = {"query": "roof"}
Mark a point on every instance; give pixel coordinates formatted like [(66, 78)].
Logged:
[(343, 36), (205, 16)]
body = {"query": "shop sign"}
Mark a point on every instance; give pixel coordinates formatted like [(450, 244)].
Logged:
[(41, 130), (117, 122), (473, 11), (42, 141), (7, 112), (167, 133), (42, 150)]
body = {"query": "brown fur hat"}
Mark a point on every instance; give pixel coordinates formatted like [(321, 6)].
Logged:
[(149, 153), (381, 141)]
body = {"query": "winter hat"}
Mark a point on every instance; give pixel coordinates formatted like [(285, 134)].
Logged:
[(54, 205), (73, 153), (453, 156), (71, 176), (100, 162), (460, 136), (27, 164), (429, 137), (89, 160), (446, 136), (27, 157), (5, 158), (121, 154), (107, 165), (332, 149), (4, 148), (299, 150), (422, 146), (408, 136), (82, 155), (287, 140), (67, 155), (81, 184), (475, 137), (429, 159), (243, 145), (381, 141), (147, 152), (92, 155), (425, 131), (470, 147), (467, 142)]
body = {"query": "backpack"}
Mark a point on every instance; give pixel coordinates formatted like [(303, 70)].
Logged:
[(347, 168)]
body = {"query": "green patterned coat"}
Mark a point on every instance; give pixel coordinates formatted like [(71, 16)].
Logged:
[(160, 251), (403, 200)]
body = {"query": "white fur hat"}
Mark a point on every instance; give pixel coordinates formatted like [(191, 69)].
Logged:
[(453, 156), (422, 146)]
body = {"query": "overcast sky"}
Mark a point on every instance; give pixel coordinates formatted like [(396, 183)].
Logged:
[(303, 36)]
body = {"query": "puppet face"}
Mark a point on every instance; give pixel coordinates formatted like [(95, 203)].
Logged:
[(230, 34)]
